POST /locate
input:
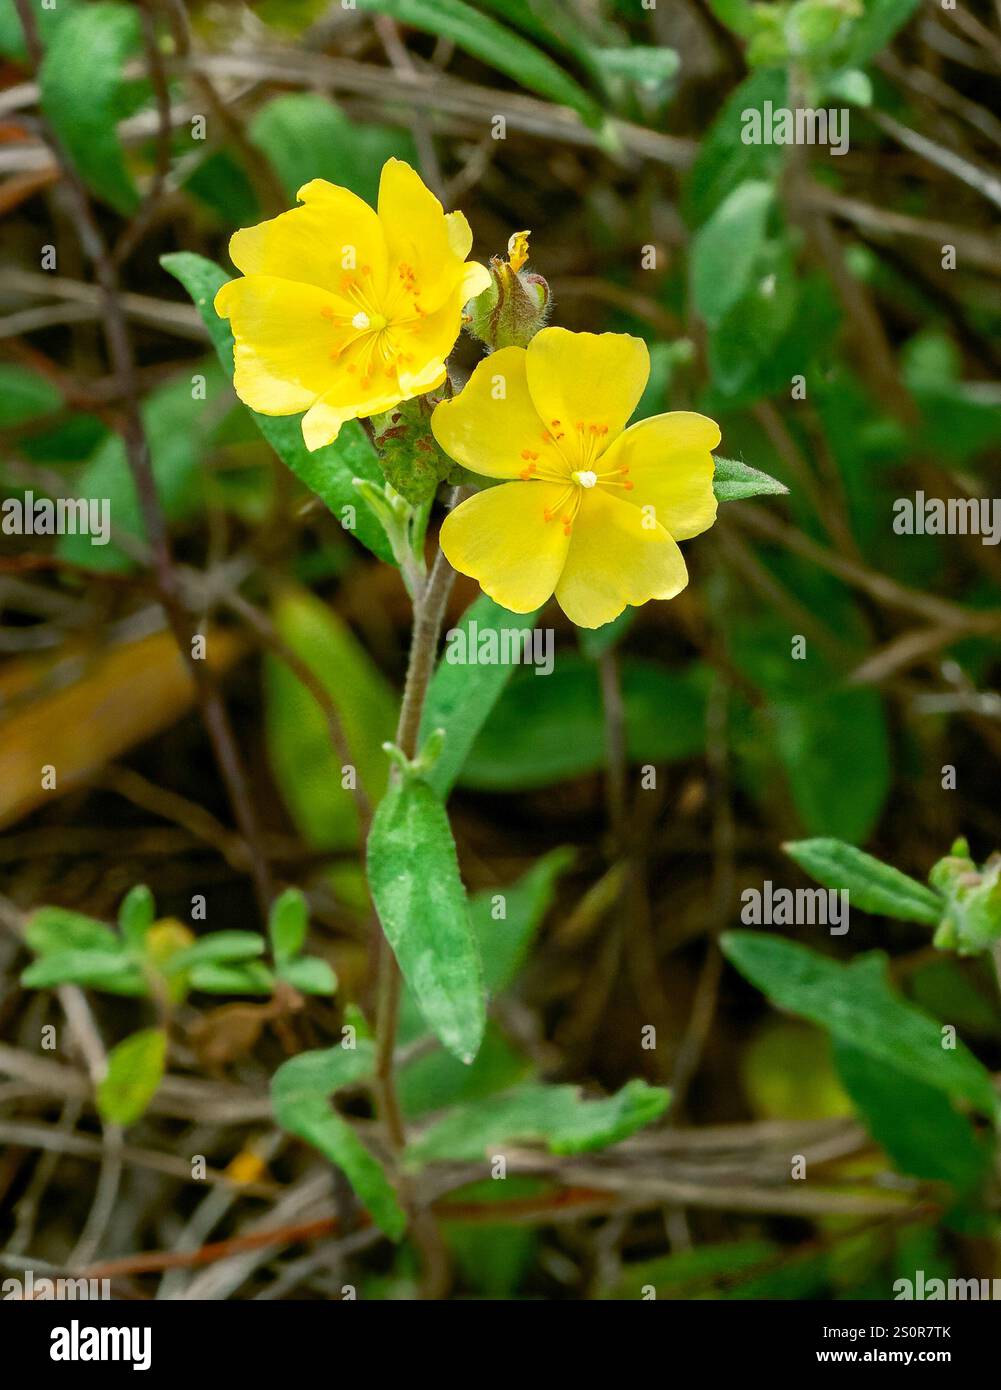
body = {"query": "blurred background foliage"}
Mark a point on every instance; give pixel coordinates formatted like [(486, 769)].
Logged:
[(837, 314)]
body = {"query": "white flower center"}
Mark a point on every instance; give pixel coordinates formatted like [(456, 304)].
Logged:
[(361, 320), (586, 477)]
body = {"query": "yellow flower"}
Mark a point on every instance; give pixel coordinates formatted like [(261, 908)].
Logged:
[(343, 311), (593, 511)]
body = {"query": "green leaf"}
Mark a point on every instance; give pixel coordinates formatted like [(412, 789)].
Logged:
[(504, 942), (219, 947), (288, 923), (724, 161), (328, 472), (557, 1117), (734, 482), (418, 893), (177, 423), (852, 721), (875, 28), (305, 136), (25, 396), (725, 249), (701, 1270), (111, 971), (855, 1003), (53, 929), (872, 886), (309, 974), (300, 1092), (135, 916), (83, 93), (214, 977), (916, 1124), (306, 766), (12, 43), (435, 1080), (463, 692), (545, 729), (650, 69), (492, 43), (135, 1070), (737, 15)]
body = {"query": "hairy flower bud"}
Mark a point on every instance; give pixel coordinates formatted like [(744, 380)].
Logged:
[(409, 455), (972, 921), (516, 303)]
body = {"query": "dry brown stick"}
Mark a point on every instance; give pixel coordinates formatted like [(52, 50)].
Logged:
[(141, 221)]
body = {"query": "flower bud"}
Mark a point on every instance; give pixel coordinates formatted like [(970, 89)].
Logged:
[(409, 454), (516, 303), (972, 920)]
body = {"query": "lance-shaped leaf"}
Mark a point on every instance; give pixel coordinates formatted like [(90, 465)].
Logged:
[(556, 1116), (872, 885), (328, 472), (494, 44), (856, 1004), (414, 877), (300, 1094), (734, 481)]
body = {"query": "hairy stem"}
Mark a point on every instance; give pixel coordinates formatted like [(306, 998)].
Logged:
[(429, 612)]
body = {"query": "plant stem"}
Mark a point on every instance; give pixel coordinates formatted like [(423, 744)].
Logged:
[(429, 612)]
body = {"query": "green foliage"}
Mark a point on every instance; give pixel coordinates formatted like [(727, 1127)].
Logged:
[(495, 44), (135, 1070), (300, 1092), (545, 729), (872, 885), (306, 766), (915, 1123), (147, 958), (856, 1004), (84, 94), (726, 248), (178, 419), (24, 396), (414, 878), (734, 481), (557, 1117), (462, 695), (305, 136)]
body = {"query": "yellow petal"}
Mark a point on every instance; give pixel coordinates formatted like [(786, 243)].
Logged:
[(426, 248), (497, 434), (586, 379), (671, 468), (423, 345), (615, 560), (332, 235), (501, 538), (475, 279), (349, 397), (284, 340), (322, 423)]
